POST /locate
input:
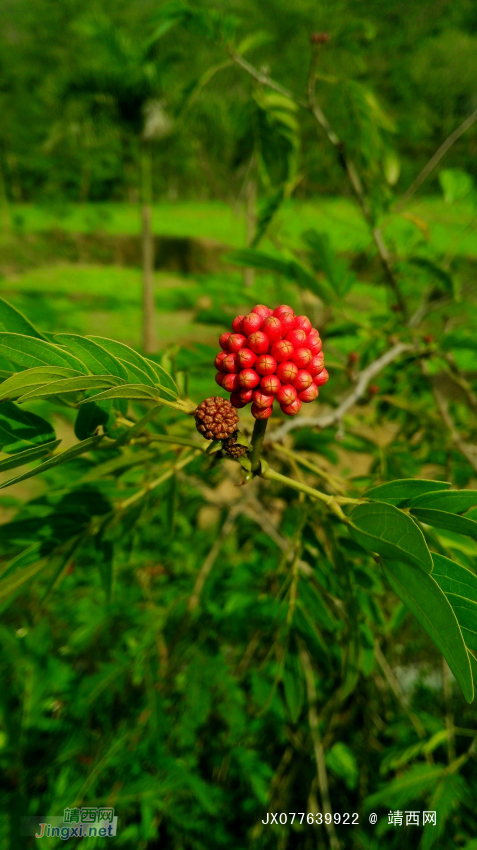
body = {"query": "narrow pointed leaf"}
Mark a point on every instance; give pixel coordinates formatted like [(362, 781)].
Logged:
[(20, 429), (128, 355), (12, 321), (128, 391), (31, 352), (460, 586), (429, 604), (30, 379), (56, 460), (402, 490), (454, 501), (72, 385), (382, 528), (28, 455), (94, 356), (451, 522)]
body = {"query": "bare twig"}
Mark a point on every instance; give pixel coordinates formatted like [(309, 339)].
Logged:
[(313, 721), (397, 690), (335, 416), (434, 160)]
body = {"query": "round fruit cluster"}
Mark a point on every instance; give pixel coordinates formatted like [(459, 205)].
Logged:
[(268, 355)]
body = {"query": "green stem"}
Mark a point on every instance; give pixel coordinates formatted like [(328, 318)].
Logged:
[(257, 443), (333, 502)]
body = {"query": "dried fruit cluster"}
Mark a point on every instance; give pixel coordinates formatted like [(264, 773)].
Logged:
[(271, 355)]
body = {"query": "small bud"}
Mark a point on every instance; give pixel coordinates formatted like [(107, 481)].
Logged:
[(248, 379), (353, 357), (223, 340), (287, 372), (237, 324), (262, 311), (321, 379), (236, 401), (302, 357), (373, 389), (231, 363), (291, 409), (246, 358), (297, 337), (303, 323), (272, 327), (219, 360), (235, 342), (282, 350), (283, 308), (286, 394), (230, 382), (316, 364), (270, 384), (287, 322), (258, 343), (428, 339), (309, 394), (303, 380), (262, 399), (265, 364)]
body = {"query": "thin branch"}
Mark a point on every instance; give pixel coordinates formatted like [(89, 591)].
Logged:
[(365, 377), (467, 451), (313, 721), (434, 160), (212, 556)]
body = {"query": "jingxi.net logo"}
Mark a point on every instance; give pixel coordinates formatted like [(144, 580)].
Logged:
[(86, 822)]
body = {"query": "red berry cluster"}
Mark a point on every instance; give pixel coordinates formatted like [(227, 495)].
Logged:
[(271, 355)]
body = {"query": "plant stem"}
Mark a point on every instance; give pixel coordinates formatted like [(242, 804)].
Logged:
[(333, 502), (257, 443)]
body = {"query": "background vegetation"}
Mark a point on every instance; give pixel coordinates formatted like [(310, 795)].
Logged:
[(225, 651)]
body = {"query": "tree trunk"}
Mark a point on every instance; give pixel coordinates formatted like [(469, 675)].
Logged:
[(149, 342), (251, 220)]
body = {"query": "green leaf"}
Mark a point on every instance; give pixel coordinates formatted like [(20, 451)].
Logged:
[(447, 798), (12, 321), (454, 501), (214, 446), (290, 269), (384, 529), (246, 463), (451, 522), (128, 355), (31, 352), (402, 490), (28, 455), (255, 39), (89, 418), (420, 779), (342, 762), (425, 599), (56, 460), (130, 391), (20, 429), (440, 274), (460, 586), (94, 356), (455, 184), (13, 582), (72, 385), (323, 259), (30, 379)]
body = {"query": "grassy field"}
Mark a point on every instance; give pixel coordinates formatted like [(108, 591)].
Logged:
[(430, 225)]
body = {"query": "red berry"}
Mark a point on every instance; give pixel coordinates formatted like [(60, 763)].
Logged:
[(309, 394), (282, 350), (272, 327), (236, 401), (353, 357), (291, 409), (235, 342), (258, 343), (262, 399), (287, 322), (286, 372), (303, 323), (237, 324), (223, 340), (297, 337), (270, 384), (265, 364), (302, 357), (316, 364), (303, 380), (283, 308), (219, 378), (286, 394), (245, 395), (261, 412), (428, 339), (262, 311), (373, 389), (246, 358), (248, 378), (321, 379), (231, 363), (314, 343), (219, 360), (230, 382), (251, 323)]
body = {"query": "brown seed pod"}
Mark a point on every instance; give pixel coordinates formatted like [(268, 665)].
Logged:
[(215, 418)]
